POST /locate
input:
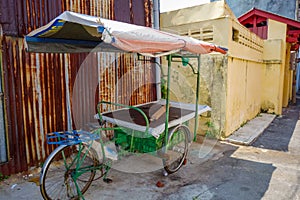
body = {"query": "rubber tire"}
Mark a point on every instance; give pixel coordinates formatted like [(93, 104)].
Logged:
[(55, 174), (174, 165)]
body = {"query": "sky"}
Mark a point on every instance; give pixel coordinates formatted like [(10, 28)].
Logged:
[(168, 5)]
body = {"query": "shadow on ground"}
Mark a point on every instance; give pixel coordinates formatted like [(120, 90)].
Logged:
[(218, 177), (226, 178), (278, 135)]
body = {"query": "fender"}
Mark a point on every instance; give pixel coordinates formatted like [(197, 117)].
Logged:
[(49, 158)]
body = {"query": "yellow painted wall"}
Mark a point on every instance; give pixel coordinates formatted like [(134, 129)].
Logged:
[(273, 75), (254, 76), (244, 44), (244, 89), (212, 89), (277, 50), (244, 80), (201, 13), (288, 81), (276, 30)]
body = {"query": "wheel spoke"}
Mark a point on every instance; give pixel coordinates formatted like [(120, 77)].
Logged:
[(176, 149), (63, 170)]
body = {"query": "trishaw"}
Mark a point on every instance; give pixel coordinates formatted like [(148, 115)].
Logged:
[(158, 127)]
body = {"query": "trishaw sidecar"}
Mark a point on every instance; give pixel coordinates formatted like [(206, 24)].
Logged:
[(158, 127)]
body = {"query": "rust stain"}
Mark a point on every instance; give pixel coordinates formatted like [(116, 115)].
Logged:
[(148, 6), (35, 85)]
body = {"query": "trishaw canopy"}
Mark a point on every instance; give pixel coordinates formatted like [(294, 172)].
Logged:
[(73, 32)]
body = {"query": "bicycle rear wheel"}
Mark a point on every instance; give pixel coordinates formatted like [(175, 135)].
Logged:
[(68, 172)]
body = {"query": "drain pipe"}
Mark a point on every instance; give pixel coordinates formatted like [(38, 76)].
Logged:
[(156, 10)]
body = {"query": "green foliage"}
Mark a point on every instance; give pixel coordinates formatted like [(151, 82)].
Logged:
[(163, 89), (3, 177), (209, 124), (211, 132)]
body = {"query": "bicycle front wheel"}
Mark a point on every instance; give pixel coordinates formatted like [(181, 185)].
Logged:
[(69, 172), (176, 148)]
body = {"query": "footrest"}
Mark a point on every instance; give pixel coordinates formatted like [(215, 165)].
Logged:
[(70, 137)]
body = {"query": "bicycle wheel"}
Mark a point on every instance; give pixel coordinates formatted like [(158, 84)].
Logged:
[(68, 172), (176, 148)]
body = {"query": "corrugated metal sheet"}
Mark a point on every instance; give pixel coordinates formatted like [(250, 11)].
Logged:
[(31, 14), (28, 14), (38, 88), (130, 11), (111, 77), (12, 80), (34, 88)]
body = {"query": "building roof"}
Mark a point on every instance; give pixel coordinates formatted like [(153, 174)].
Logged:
[(256, 18)]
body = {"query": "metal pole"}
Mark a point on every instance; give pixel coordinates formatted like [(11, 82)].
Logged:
[(167, 99), (157, 60), (297, 10), (156, 14), (197, 97)]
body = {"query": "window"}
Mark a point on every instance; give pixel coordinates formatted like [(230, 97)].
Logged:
[(235, 35)]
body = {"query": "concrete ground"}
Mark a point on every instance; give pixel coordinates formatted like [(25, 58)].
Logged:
[(269, 169)]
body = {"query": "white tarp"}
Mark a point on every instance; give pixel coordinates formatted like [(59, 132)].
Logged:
[(73, 32)]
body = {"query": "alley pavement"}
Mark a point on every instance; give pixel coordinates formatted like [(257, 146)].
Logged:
[(268, 168)]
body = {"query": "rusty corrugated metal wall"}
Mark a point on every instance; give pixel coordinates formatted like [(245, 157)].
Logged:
[(38, 88)]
